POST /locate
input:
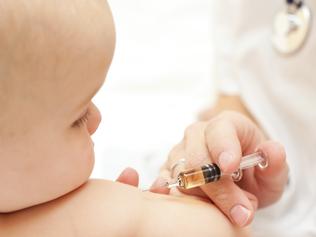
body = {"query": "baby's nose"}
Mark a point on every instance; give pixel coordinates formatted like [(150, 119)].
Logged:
[(94, 119)]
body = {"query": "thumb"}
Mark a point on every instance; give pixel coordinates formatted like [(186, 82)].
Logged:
[(129, 176)]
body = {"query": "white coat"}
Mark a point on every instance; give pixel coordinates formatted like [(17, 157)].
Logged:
[(280, 91)]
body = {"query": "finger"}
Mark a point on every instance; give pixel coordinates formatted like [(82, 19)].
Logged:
[(194, 144), (253, 200), (176, 163), (169, 170), (195, 152), (129, 176), (272, 180), (159, 185), (229, 136), (223, 144), (231, 200)]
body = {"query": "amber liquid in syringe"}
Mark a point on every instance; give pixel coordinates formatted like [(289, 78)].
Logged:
[(197, 177), (211, 172)]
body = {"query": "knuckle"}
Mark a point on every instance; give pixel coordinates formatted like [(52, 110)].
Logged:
[(174, 152), (193, 128), (220, 195), (223, 119), (213, 125), (213, 128)]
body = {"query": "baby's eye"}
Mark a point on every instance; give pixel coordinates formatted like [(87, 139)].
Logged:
[(81, 121)]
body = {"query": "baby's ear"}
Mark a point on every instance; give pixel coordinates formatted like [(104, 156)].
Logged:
[(129, 176)]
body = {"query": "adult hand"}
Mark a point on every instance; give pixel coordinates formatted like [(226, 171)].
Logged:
[(224, 140)]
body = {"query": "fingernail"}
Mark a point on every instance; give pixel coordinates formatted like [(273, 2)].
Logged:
[(225, 159), (123, 173), (240, 215)]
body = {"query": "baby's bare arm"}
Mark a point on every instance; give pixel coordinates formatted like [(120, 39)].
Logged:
[(102, 208), (98, 208)]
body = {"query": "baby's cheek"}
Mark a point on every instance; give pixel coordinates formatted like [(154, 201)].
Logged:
[(83, 162), (76, 160), (68, 165)]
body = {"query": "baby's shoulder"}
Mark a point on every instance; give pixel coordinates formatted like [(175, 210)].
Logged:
[(98, 208), (104, 208)]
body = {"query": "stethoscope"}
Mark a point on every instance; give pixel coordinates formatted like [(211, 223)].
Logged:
[(291, 27)]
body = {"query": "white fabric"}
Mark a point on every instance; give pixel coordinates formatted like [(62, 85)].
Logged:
[(281, 93)]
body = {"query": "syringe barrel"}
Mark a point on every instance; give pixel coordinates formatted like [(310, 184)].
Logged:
[(197, 177), (211, 172)]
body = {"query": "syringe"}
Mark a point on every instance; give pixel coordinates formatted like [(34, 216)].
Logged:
[(211, 172)]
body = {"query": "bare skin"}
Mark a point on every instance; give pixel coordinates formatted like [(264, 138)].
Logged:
[(100, 208), (224, 103), (226, 133), (52, 62)]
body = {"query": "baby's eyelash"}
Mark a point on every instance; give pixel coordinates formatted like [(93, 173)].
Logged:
[(82, 121)]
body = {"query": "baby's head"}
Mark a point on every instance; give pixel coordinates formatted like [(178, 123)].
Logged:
[(54, 56)]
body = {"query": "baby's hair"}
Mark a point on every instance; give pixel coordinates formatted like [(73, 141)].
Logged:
[(44, 42), (44, 33)]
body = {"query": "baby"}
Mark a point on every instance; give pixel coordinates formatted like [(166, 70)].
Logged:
[(54, 58)]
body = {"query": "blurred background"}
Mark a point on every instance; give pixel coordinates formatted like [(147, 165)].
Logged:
[(160, 79)]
